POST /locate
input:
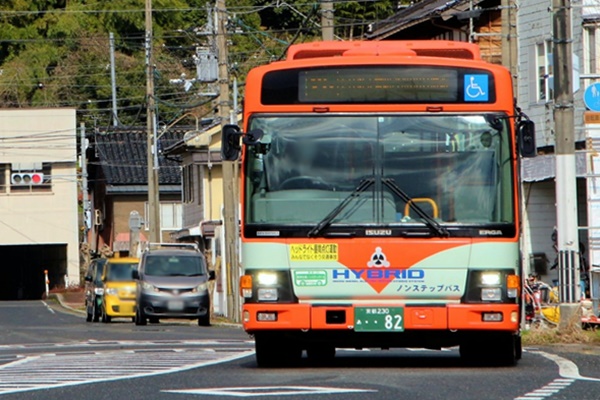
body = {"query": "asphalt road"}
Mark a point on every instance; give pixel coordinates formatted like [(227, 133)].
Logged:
[(47, 352)]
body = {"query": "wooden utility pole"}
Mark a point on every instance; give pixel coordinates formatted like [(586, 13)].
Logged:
[(230, 201), (510, 39), (566, 188), (153, 198), (327, 19)]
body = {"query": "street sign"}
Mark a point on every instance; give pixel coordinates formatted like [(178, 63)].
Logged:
[(591, 97)]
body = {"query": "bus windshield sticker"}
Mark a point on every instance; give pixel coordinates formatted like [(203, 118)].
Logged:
[(314, 252), (476, 87), (310, 278)]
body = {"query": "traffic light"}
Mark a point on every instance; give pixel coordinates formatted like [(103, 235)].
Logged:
[(27, 178)]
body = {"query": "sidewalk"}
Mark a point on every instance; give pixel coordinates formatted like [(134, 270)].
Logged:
[(74, 301)]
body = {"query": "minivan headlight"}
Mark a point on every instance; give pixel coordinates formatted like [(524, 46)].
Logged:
[(149, 287), (203, 287)]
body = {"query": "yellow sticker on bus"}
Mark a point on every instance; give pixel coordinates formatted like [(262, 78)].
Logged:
[(314, 252)]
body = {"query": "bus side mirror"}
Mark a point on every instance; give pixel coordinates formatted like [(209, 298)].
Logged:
[(526, 138), (253, 137), (230, 142)]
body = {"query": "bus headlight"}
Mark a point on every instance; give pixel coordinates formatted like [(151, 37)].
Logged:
[(491, 286), (491, 294), (490, 278), (267, 294), (267, 286), (266, 278)]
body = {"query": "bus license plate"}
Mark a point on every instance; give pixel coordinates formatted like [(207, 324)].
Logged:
[(379, 319)]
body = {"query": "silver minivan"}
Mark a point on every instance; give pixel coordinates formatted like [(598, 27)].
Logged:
[(172, 282)]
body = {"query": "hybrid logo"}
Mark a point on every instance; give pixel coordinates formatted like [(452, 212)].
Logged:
[(378, 259), (376, 274)]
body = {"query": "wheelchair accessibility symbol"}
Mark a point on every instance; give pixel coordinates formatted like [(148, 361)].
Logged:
[(476, 88)]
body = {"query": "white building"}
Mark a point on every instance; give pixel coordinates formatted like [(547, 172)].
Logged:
[(39, 228), (536, 98)]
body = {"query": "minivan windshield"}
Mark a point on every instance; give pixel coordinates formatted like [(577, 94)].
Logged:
[(173, 265)]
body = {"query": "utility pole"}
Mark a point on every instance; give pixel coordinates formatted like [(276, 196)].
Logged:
[(151, 148), (87, 212), (327, 19), (230, 202), (566, 188), (510, 39), (113, 80)]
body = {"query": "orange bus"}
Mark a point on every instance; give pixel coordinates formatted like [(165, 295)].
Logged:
[(380, 201)]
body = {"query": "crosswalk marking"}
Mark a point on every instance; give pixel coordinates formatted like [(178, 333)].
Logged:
[(47, 371), (130, 343)]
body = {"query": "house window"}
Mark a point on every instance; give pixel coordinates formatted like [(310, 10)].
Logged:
[(30, 178), (171, 216), (545, 73), (591, 48)]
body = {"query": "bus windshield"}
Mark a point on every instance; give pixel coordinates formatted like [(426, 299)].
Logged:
[(448, 168)]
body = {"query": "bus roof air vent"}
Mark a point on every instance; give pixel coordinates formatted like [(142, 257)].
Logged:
[(373, 52), (447, 53), (398, 48)]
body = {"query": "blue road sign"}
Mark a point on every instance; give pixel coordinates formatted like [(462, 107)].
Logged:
[(591, 97)]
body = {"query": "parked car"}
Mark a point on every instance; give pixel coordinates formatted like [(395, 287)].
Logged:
[(94, 288), (119, 288), (172, 282)]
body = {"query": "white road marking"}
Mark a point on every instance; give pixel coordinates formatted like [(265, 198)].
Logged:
[(48, 307), (566, 368), (268, 391), (47, 371), (133, 343), (568, 371)]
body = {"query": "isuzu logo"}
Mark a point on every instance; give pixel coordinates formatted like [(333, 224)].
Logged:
[(378, 232)]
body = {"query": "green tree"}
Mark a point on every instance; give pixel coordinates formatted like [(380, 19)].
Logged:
[(55, 53)]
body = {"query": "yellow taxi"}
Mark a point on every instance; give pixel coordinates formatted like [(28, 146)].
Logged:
[(119, 288)]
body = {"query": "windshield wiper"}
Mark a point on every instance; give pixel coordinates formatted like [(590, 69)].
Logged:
[(325, 222), (430, 222)]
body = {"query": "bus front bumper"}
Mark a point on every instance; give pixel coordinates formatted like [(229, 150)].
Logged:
[(451, 317)]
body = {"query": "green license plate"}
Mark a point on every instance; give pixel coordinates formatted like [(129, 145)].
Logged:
[(379, 319)]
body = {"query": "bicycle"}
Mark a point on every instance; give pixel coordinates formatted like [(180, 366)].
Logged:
[(541, 304)]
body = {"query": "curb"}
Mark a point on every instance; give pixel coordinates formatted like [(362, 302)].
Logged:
[(58, 297)]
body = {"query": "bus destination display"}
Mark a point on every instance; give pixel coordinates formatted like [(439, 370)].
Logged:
[(378, 85)]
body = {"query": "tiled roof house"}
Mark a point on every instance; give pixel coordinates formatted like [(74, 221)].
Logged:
[(118, 183)]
